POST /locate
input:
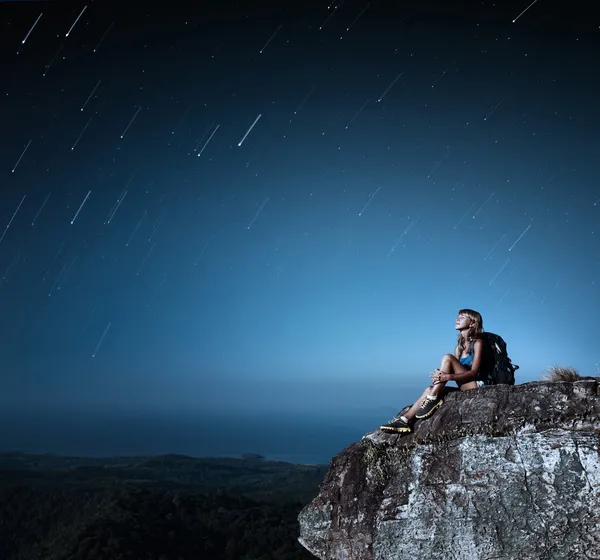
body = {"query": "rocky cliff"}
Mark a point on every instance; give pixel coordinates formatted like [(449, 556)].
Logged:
[(504, 472)]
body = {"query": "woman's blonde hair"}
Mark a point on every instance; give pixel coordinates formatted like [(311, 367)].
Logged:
[(474, 332)]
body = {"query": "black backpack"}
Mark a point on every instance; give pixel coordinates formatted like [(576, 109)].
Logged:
[(496, 364)]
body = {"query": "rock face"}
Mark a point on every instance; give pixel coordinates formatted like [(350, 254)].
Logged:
[(503, 472)]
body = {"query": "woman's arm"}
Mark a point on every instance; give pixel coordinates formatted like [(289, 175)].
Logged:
[(477, 357)]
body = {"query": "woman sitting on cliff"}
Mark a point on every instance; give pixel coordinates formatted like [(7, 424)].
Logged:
[(466, 367)]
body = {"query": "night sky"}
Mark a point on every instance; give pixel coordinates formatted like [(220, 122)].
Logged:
[(273, 206)]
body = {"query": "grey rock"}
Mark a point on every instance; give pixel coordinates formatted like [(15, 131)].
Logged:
[(503, 472)]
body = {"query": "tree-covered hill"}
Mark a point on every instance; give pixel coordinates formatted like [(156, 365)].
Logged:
[(156, 508)]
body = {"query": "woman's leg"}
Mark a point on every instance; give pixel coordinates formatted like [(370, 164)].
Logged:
[(450, 365), (415, 407)]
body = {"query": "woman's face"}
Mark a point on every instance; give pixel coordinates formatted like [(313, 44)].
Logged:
[(462, 322)]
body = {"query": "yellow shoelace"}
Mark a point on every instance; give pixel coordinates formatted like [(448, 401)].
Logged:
[(426, 400)]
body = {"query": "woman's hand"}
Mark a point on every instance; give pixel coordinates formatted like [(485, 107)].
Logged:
[(438, 376)]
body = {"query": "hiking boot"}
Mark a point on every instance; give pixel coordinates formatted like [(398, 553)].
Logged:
[(428, 407), (397, 427)]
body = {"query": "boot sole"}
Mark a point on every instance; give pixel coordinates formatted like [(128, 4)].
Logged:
[(398, 430), (438, 404)]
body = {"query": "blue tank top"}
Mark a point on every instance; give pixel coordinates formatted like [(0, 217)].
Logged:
[(467, 361)]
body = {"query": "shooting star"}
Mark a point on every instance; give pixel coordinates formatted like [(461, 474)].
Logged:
[(501, 269), (80, 207), (16, 259), (357, 113), (331, 15), (357, 17), (505, 294), (271, 38), (511, 247), (41, 208), (496, 245), (157, 290), (443, 73), (249, 130), (400, 238), (81, 133), (116, 207), (205, 133), (203, 249), (463, 217), (90, 95), (131, 121), (495, 107), (304, 100), (101, 339), (58, 253), (488, 199), (368, 201), (87, 322), (259, 211), (136, 228), (549, 181), (13, 217), (29, 32), (209, 138), (75, 22), (181, 120), (105, 34), (514, 20), (48, 66), (57, 281), (21, 157), (436, 166), (389, 87), (145, 259), (119, 200)]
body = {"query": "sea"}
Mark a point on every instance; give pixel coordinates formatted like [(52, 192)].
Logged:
[(310, 438)]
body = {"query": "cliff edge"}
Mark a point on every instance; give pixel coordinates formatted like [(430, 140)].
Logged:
[(503, 472)]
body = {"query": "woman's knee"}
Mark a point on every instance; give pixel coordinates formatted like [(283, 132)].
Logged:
[(447, 364)]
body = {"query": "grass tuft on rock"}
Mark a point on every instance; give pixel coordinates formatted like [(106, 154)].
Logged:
[(564, 374)]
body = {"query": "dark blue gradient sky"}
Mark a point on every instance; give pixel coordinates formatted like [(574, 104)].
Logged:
[(272, 206)]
